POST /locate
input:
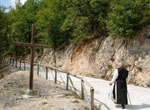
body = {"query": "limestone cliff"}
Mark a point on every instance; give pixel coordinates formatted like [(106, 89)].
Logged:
[(98, 57)]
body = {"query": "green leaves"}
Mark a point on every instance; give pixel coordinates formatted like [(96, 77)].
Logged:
[(127, 18), (49, 20), (60, 22), (21, 20), (3, 30), (85, 19)]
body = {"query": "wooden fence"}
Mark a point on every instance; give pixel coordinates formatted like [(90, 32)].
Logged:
[(69, 82)]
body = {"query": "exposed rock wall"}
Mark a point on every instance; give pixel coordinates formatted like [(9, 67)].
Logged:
[(98, 57)]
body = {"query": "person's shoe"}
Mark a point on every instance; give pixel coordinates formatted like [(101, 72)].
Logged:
[(123, 106)]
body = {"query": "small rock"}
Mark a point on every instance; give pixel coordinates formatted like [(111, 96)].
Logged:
[(75, 101)]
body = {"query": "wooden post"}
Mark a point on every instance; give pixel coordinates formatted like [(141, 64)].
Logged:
[(13, 62), (92, 98), (82, 89), (24, 65), (32, 58), (3, 60), (67, 84), (16, 63), (55, 66), (20, 64), (7, 61), (46, 72), (10, 61), (55, 76), (38, 69)]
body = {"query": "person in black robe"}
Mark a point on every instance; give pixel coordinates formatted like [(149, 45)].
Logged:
[(120, 86)]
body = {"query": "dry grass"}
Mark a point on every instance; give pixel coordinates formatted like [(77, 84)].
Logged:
[(50, 96)]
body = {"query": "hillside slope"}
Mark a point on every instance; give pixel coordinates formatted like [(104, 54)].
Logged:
[(98, 57)]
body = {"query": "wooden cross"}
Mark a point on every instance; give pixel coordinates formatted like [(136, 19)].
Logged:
[(32, 45)]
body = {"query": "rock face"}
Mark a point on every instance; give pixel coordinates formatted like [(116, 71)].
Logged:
[(98, 57)]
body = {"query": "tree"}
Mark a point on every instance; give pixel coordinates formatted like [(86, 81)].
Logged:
[(22, 18), (49, 20), (128, 17), (3, 31), (86, 19)]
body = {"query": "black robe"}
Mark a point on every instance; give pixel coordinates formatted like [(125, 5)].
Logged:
[(120, 87)]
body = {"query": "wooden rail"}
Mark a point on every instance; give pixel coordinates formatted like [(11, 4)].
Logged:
[(90, 99)]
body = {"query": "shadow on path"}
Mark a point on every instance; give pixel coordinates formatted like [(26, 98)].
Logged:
[(138, 107), (135, 107)]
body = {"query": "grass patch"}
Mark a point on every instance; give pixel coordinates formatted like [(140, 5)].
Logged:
[(76, 95), (96, 107), (86, 108), (44, 103), (67, 95), (103, 76)]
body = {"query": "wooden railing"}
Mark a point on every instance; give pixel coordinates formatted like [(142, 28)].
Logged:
[(69, 82)]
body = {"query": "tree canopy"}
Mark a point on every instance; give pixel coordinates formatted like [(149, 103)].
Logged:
[(60, 22), (128, 17)]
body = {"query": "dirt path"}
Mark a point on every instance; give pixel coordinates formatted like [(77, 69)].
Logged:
[(50, 96)]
